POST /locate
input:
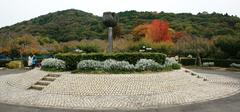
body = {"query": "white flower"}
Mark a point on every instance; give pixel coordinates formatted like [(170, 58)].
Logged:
[(111, 64), (170, 61), (147, 64), (89, 64), (106, 65), (53, 63)]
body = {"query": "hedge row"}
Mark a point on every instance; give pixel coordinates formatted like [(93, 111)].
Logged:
[(222, 62), (187, 61), (217, 62), (72, 59)]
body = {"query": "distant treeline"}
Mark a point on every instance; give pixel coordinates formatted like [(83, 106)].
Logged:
[(77, 25)]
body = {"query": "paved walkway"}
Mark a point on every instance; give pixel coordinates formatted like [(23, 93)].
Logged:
[(131, 92), (5, 71)]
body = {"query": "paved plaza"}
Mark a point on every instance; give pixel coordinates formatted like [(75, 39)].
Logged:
[(121, 91)]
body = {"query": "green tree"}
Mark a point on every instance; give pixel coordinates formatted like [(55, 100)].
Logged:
[(228, 44)]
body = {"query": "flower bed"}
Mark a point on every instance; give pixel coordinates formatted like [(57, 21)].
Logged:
[(103, 63), (73, 59), (113, 66), (110, 65)]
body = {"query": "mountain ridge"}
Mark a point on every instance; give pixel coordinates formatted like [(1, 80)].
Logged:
[(72, 24)]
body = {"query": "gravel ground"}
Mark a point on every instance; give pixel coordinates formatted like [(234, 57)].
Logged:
[(135, 91)]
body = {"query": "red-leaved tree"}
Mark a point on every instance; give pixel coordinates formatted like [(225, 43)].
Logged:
[(159, 31)]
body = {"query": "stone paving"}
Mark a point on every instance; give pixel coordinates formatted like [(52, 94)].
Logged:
[(121, 91)]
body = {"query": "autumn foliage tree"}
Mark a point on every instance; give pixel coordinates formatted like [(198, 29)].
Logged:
[(21, 46), (28, 45), (140, 31), (6, 46), (157, 31)]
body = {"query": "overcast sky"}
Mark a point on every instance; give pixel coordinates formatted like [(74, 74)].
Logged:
[(13, 11)]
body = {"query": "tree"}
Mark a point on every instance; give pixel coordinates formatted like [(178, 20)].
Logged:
[(199, 47), (181, 42), (21, 46), (181, 36), (228, 44), (8, 47), (157, 31), (28, 45), (117, 31), (140, 31)]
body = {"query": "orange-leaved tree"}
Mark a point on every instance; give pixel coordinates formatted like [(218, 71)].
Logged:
[(157, 31)]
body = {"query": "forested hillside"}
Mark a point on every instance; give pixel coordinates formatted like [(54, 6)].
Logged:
[(61, 26), (76, 25)]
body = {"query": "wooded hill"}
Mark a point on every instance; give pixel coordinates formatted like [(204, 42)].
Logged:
[(76, 25)]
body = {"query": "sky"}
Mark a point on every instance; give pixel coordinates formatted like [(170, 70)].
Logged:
[(14, 11)]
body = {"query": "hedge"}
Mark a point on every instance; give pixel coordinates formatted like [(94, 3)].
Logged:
[(72, 59), (222, 62), (187, 61), (217, 62)]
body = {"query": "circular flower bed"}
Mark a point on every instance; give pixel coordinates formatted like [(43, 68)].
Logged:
[(113, 66)]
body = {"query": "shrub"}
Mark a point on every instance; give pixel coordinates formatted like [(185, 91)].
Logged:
[(208, 64), (89, 48), (216, 62), (176, 66), (73, 59), (147, 64), (89, 65), (222, 62), (138, 46), (187, 61), (144, 44), (15, 65), (113, 65), (235, 65), (101, 44), (171, 63), (53, 64), (238, 55), (109, 65)]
